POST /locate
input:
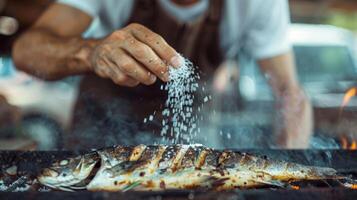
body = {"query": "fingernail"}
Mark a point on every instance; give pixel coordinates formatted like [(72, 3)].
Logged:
[(176, 61), (153, 78)]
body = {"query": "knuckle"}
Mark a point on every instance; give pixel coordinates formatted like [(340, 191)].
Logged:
[(142, 51), (134, 26), (120, 34), (121, 79), (158, 67), (99, 66), (154, 38), (104, 49), (160, 40), (168, 52), (125, 66)]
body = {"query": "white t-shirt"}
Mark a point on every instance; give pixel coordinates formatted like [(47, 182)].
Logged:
[(258, 27)]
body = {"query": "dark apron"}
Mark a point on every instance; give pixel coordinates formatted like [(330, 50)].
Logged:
[(107, 114)]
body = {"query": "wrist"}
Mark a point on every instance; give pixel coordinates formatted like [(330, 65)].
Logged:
[(83, 55)]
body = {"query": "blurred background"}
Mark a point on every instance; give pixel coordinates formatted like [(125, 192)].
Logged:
[(324, 38)]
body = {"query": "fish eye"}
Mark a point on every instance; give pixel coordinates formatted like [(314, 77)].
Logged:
[(64, 162)]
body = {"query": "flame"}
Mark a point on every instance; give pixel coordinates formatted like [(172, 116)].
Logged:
[(295, 187), (353, 145), (348, 144), (344, 142), (353, 186), (347, 98), (349, 94)]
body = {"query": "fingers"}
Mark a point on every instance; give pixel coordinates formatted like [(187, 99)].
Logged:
[(129, 66), (157, 43), (134, 55), (110, 70), (147, 57)]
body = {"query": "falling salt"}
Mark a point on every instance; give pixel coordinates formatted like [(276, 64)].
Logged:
[(228, 136), (151, 117), (179, 118), (205, 99)]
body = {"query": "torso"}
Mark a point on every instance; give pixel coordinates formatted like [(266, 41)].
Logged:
[(101, 101)]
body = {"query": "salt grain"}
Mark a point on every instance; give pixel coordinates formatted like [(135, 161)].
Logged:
[(178, 109), (205, 99), (228, 136)]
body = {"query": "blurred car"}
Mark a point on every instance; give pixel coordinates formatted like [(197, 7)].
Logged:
[(326, 61)]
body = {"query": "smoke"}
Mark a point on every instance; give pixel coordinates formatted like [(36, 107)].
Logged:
[(323, 142)]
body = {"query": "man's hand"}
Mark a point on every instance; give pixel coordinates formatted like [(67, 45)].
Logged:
[(53, 49), (134, 55), (293, 126)]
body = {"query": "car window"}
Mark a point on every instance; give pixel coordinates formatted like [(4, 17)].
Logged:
[(323, 63)]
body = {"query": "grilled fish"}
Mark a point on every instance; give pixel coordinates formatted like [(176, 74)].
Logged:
[(160, 167)]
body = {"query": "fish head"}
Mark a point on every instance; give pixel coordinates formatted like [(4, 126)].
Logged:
[(67, 172)]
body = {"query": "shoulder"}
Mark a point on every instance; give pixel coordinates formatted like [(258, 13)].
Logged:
[(253, 9), (94, 7)]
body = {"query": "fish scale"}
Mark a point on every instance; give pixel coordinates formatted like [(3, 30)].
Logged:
[(160, 167)]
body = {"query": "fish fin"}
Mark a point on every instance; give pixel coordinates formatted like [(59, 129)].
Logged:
[(213, 181), (132, 186), (348, 182), (59, 188), (64, 189), (78, 187), (105, 163), (275, 183)]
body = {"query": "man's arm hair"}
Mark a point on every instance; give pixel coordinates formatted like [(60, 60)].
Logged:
[(53, 47)]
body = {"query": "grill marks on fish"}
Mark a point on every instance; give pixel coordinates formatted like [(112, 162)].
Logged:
[(148, 160), (203, 152), (177, 167), (136, 153), (189, 158), (211, 160)]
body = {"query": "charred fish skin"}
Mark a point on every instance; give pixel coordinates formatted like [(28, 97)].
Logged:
[(159, 167), (143, 163), (115, 155), (282, 170)]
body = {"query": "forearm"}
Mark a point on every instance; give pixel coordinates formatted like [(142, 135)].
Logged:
[(48, 56), (294, 114), (293, 124)]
